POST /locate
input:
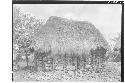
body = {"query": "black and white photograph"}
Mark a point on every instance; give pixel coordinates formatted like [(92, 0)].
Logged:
[(66, 42)]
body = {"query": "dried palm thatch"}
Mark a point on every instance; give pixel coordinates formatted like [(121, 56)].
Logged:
[(62, 36)]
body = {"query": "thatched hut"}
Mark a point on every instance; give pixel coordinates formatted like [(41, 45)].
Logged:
[(68, 37)]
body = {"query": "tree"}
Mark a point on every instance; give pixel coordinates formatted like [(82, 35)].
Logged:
[(117, 41), (24, 27), (117, 48)]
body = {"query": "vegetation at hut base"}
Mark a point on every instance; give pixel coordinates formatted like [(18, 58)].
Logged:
[(62, 50)]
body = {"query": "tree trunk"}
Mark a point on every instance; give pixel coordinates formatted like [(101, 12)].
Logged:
[(16, 62)]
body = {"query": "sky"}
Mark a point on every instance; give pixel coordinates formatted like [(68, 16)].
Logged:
[(105, 17)]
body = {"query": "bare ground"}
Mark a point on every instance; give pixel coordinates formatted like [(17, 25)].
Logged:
[(111, 73)]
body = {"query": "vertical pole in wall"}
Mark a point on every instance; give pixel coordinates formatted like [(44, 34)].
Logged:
[(27, 60), (53, 64), (35, 61), (77, 64), (65, 63)]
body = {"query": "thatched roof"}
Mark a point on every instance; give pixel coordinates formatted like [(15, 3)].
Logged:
[(67, 36)]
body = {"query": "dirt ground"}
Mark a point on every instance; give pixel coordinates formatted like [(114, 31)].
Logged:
[(111, 73)]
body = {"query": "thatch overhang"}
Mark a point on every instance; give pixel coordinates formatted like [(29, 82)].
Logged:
[(62, 36)]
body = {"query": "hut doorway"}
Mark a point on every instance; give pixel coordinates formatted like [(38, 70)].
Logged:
[(44, 62), (48, 64)]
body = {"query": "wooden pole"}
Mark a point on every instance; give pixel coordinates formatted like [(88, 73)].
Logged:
[(65, 63), (26, 55), (77, 63), (27, 60), (35, 61), (52, 63)]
